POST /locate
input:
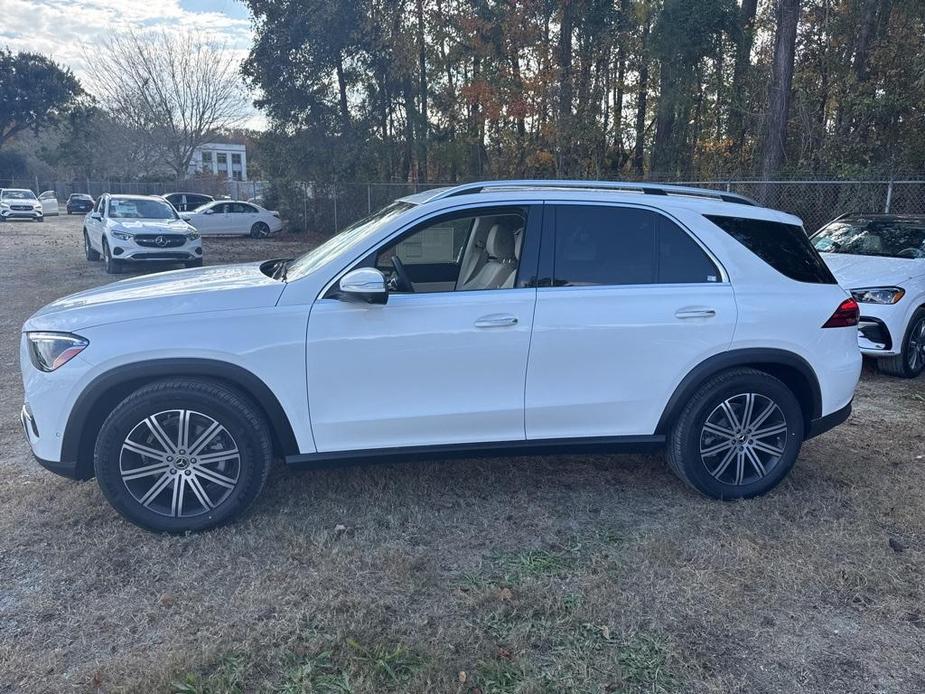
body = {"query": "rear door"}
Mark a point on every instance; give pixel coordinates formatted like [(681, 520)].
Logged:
[(633, 302)]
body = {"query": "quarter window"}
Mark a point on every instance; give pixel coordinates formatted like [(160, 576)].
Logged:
[(604, 245)]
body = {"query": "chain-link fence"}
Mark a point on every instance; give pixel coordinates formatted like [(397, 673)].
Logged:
[(210, 185), (327, 207)]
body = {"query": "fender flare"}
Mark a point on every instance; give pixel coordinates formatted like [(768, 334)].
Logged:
[(86, 416), (767, 359)]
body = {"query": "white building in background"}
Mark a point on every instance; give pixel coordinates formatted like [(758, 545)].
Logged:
[(225, 159)]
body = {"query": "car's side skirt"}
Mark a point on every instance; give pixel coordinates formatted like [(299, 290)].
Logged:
[(601, 444)]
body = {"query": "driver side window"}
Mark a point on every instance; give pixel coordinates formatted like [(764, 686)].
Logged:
[(478, 249)]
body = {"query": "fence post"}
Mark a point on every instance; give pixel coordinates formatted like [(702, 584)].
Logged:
[(335, 206), (304, 208), (889, 197), (369, 198)]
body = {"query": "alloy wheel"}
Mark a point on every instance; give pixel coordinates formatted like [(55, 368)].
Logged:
[(179, 463), (916, 348), (743, 439)]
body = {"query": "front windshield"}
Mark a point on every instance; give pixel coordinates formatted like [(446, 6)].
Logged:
[(886, 237), (139, 208), (18, 195), (342, 242)]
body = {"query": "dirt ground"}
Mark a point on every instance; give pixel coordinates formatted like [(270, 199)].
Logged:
[(570, 573)]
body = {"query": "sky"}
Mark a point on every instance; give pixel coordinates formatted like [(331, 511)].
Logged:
[(67, 30)]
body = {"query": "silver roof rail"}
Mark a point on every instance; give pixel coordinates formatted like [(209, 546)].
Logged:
[(631, 186)]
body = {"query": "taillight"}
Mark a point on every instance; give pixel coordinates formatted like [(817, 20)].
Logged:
[(846, 315)]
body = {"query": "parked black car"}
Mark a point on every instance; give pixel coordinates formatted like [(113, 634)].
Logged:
[(79, 203), (187, 202)]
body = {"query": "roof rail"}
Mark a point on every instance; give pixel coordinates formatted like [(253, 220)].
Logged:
[(646, 188)]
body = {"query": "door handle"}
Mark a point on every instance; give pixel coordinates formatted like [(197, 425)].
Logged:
[(695, 313), (495, 321)]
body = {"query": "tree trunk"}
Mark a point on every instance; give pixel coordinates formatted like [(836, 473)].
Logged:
[(422, 66), (745, 39), (641, 99), (866, 29), (342, 92), (564, 125), (775, 131)]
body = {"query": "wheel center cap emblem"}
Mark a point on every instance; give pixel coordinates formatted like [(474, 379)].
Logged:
[(182, 463)]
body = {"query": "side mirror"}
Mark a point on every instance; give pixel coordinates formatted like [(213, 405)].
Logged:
[(365, 284), (96, 215)]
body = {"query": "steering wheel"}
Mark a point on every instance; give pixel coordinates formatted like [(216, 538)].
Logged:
[(911, 253), (401, 279)]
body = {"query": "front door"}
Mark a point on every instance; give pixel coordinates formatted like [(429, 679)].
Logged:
[(444, 361), (635, 304)]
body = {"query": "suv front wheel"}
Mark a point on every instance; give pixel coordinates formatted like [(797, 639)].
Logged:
[(180, 455), (738, 436)]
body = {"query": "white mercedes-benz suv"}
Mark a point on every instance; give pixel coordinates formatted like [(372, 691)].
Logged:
[(880, 258), (137, 229), (520, 316)]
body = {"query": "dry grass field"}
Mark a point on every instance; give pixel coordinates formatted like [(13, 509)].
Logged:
[(557, 574)]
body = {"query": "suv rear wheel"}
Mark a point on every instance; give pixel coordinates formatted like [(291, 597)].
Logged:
[(738, 436), (179, 455), (911, 361)]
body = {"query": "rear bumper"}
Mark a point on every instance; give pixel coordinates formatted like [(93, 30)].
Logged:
[(830, 421)]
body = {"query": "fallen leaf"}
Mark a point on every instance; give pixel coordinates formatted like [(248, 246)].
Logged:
[(505, 594)]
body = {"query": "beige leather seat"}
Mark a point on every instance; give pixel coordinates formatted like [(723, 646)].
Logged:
[(501, 266)]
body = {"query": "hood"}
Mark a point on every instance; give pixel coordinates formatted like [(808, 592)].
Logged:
[(855, 271), (162, 294), (152, 226)]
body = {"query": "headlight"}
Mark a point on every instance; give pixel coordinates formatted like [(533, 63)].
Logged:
[(5, 204), (50, 351), (123, 235), (192, 235), (878, 295), (37, 205)]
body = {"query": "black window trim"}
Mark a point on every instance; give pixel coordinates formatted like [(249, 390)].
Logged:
[(548, 247)]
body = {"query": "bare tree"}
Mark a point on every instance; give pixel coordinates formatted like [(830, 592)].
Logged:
[(176, 91)]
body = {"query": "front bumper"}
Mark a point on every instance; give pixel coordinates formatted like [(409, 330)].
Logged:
[(31, 432), (881, 328), (21, 214), (134, 251)]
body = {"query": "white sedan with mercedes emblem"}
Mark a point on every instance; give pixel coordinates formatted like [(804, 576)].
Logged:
[(123, 229), (234, 217)]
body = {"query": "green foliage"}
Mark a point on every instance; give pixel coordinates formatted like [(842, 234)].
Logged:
[(34, 93)]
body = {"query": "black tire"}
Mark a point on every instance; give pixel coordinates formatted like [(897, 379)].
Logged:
[(39, 219), (113, 266), (260, 231), (243, 424), (194, 263), (690, 440), (92, 255), (911, 361)]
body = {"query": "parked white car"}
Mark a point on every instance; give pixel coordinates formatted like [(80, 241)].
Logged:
[(49, 202), (234, 217), (138, 229), (509, 316), (881, 260), (20, 203)]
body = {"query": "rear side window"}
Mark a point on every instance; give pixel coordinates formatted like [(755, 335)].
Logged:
[(785, 247), (603, 245)]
